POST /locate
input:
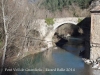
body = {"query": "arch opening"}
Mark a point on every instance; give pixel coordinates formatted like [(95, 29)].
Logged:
[(69, 37)]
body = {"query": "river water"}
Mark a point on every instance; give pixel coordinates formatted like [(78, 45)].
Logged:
[(55, 62)]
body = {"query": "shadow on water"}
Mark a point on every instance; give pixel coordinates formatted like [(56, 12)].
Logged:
[(85, 24), (61, 42)]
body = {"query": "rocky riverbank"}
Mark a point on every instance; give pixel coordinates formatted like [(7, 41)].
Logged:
[(94, 63), (96, 72)]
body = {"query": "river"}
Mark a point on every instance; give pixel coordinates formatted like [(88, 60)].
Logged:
[(55, 62)]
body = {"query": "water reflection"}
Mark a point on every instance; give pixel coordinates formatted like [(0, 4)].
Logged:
[(74, 46)]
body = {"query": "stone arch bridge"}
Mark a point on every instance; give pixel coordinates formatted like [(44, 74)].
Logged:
[(47, 31)]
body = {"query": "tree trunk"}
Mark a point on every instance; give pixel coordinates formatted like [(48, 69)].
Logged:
[(6, 35)]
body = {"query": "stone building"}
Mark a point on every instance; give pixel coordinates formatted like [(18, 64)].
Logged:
[(95, 33)]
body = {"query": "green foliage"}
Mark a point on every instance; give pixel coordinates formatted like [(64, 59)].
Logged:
[(83, 3), (49, 21), (79, 20), (54, 5)]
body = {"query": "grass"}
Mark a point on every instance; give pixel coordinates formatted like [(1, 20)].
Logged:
[(49, 21)]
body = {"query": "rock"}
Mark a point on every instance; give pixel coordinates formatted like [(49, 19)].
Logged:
[(95, 65), (43, 49), (87, 61), (98, 59), (68, 35), (99, 67), (55, 47)]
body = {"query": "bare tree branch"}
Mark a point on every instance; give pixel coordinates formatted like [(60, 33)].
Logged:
[(10, 17), (6, 34)]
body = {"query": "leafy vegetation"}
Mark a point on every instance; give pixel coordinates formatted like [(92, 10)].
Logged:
[(49, 21), (54, 5), (79, 20), (84, 3)]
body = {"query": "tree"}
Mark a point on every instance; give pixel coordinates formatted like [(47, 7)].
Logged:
[(11, 22), (6, 33), (18, 20), (54, 5), (83, 4)]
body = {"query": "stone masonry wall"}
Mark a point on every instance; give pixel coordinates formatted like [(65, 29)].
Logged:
[(95, 36)]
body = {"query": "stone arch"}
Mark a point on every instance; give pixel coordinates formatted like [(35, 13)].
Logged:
[(66, 29), (50, 35), (56, 25)]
